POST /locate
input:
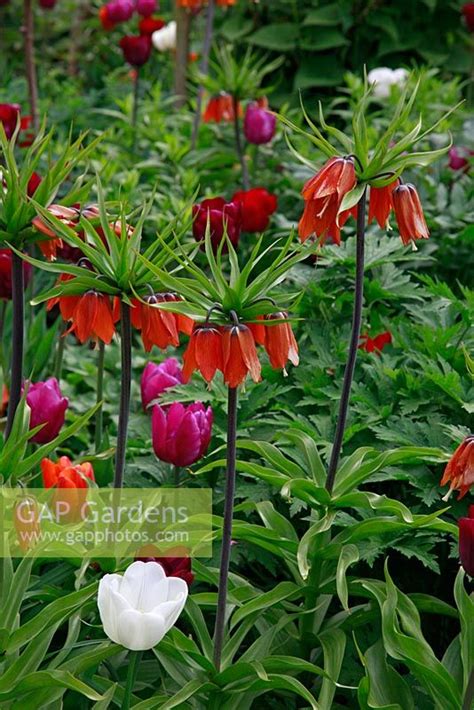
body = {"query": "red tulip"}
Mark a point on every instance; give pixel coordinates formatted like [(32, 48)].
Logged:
[(105, 19), (178, 565), (6, 274), (47, 4), (381, 204), (181, 435), (222, 216), (33, 184), (257, 206), (409, 214), (376, 344), (204, 352), (459, 472), (156, 379), (466, 541), (136, 49), (148, 25), (9, 114), (48, 407), (468, 13), (239, 355), (71, 482), (323, 195)]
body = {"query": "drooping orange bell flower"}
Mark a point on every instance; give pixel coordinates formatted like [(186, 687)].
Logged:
[(71, 481), (239, 355), (323, 195), (158, 327), (204, 352), (409, 214), (258, 330), (68, 215), (220, 108), (381, 204), (280, 342), (459, 472), (67, 304), (93, 318)]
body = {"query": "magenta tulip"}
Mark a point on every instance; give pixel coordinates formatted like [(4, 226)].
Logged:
[(158, 378), (222, 215), (145, 8), (6, 274), (120, 10), (459, 158), (181, 435), (48, 407), (259, 124), (466, 541)]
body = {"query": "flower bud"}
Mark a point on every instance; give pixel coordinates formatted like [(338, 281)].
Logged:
[(181, 435), (48, 407)]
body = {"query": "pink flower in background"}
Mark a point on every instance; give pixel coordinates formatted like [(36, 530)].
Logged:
[(459, 158), (259, 124), (466, 541), (222, 216), (48, 407), (181, 434), (468, 14), (119, 10), (47, 4), (156, 379), (145, 8)]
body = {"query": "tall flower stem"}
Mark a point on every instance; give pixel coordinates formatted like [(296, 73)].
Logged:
[(238, 145), (204, 68), (17, 339), (99, 417), (126, 353), (30, 64), (135, 658), (136, 98), (227, 527), (353, 345), (59, 355)]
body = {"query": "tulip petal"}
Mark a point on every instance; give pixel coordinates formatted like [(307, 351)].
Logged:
[(138, 631)]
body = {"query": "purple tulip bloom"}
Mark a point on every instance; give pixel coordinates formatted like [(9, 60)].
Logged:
[(222, 216), (145, 8), (259, 124), (158, 378), (48, 407), (181, 435), (120, 10)]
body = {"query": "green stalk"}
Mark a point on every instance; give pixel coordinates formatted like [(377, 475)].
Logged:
[(18, 302), (99, 417), (126, 380), (135, 658)]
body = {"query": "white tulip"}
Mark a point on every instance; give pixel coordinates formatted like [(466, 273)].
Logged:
[(140, 607), (384, 78), (165, 39)]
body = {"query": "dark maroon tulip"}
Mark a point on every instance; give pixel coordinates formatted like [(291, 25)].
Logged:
[(119, 10), (6, 274), (177, 566), (259, 124), (9, 114), (145, 8), (33, 184), (47, 4), (136, 49), (156, 379), (221, 215), (466, 541), (181, 435), (468, 13), (459, 158), (4, 3), (48, 407)]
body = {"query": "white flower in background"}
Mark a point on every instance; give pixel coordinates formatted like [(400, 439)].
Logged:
[(384, 78), (165, 39), (140, 607)]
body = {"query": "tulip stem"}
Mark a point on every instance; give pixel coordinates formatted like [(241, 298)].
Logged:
[(126, 352), (16, 379), (227, 527), (30, 64), (58, 359), (135, 658), (353, 345), (136, 97), (238, 145), (99, 417), (204, 68)]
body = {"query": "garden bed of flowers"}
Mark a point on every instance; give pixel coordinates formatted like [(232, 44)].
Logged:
[(237, 355)]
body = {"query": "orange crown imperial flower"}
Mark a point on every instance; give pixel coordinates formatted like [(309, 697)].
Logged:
[(459, 472), (204, 352), (280, 342), (409, 214), (239, 355), (323, 195), (91, 314), (381, 204)]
